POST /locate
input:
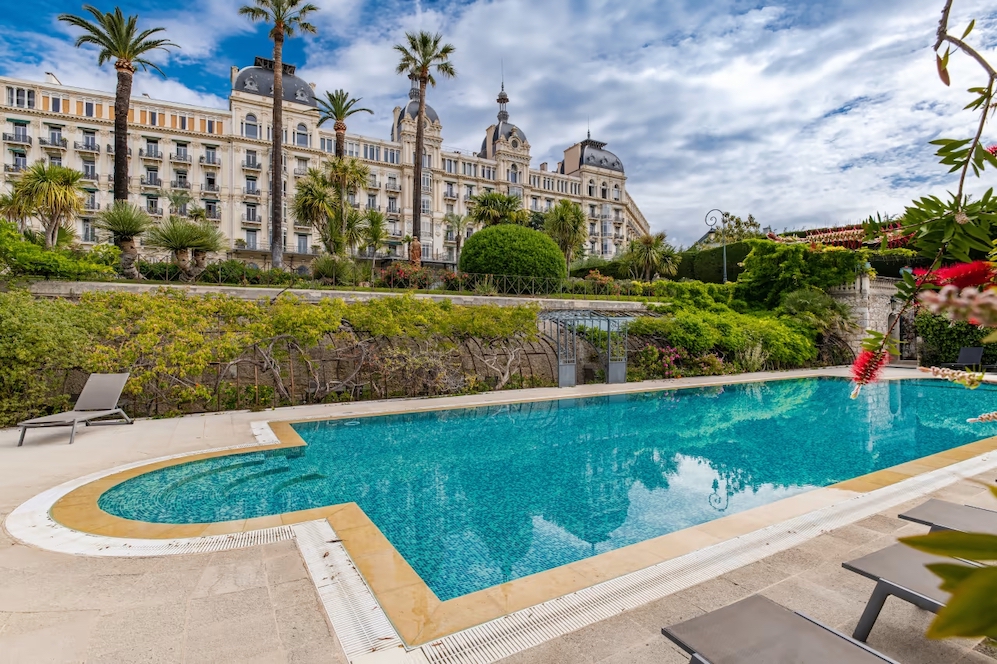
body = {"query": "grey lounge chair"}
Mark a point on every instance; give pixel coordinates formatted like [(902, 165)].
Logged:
[(943, 515), (968, 358), (756, 630), (98, 399), (899, 571)]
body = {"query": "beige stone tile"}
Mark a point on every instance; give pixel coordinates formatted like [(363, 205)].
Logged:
[(301, 625), (713, 594), (756, 576), (147, 631), (655, 650), (293, 593), (230, 578), (242, 605), (249, 639), (320, 653), (288, 567), (823, 604), (40, 638)]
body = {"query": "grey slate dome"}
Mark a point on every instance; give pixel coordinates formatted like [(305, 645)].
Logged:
[(503, 129), (593, 154), (258, 80)]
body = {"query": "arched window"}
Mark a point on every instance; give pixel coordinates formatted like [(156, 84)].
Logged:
[(301, 136), (592, 188), (605, 190), (616, 192), (250, 129), (513, 174)]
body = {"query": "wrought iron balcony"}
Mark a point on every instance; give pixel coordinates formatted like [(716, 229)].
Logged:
[(17, 138), (110, 149), (86, 146), (150, 153), (154, 212), (393, 186), (252, 191), (300, 172), (181, 158), (213, 188), (210, 160), (372, 183), (91, 176), (53, 143), (150, 181), (252, 165), (375, 208), (14, 169), (251, 218), (450, 195), (180, 184), (91, 205)]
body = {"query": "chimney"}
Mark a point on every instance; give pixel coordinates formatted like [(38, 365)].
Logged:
[(234, 75), (52, 78), (560, 167), (543, 166), (312, 86)]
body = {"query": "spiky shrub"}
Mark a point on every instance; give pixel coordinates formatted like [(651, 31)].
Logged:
[(333, 270), (183, 237), (125, 222)]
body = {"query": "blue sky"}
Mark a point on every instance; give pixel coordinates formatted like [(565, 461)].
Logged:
[(801, 113)]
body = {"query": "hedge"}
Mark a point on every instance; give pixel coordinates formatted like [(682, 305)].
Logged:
[(509, 249), (942, 339), (773, 269)]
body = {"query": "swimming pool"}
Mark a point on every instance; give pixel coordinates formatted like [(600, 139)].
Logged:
[(474, 497)]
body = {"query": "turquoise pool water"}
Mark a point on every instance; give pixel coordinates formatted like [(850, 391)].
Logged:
[(478, 496)]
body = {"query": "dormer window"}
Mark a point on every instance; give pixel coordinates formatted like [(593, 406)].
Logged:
[(250, 128)]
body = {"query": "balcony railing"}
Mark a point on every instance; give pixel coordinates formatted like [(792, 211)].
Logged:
[(210, 160), (17, 138), (53, 143), (91, 205), (450, 195), (213, 188), (252, 191), (154, 212), (14, 168), (91, 176), (393, 186), (375, 208), (150, 153), (180, 184), (86, 146), (252, 165), (214, 215), (180, 157), (468, 199), (450, 237), (150, 181), (110, 149), (252, 218), (373, 184), (427, 188), (355, 206), (300, 172)]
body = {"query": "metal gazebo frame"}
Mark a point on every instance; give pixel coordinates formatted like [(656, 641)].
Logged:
[(563, 327)]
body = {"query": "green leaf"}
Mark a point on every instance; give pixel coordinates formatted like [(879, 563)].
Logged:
[(951, 574), (972, 610), (969, 28), (969, 546)]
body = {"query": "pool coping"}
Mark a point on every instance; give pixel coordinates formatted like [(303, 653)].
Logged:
[(417, 615)]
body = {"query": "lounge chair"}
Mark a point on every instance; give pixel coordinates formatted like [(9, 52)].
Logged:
[(943, 515), (756, 630), (899, 571), (98, 399), (969, 358)]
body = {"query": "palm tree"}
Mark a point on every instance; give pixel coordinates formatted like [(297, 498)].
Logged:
[(567, 225), (16, 208), (651, 254), (181, 237), (419, 59), (492, 207), (179, 200), (375, 235), (120, 40), (353, 230), (346, 176), (315, 203), (288, 18), (459, 223), (338, 106), (125, 222), (55, 193)]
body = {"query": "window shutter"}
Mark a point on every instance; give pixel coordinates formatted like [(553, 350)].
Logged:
[(79, 108), (45, 103), (204, 125), (99, 110), (162, 119), (173, 121), (144, 117), (110, 112), (218, 126), (131, 115)]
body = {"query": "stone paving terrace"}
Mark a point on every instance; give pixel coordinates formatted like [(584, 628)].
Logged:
[(259, 605)]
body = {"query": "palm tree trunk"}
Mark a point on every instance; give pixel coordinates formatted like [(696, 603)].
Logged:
[(200, 263), (182, 259), (458, 251), (122, 98), (51, 234), (128, 258), (340, 144), (276, 175), (415, 250)]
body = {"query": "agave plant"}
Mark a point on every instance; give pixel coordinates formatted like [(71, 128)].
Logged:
[(182, 237)]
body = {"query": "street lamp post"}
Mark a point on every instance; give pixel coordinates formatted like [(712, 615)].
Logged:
[(716, 218)]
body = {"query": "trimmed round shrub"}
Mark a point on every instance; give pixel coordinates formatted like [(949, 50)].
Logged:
[(509, 249)]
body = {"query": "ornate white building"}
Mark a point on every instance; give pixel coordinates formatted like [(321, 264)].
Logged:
[(222, 158)]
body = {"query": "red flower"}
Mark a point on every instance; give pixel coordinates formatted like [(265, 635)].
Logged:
[(868, 367), (960, 275), (992, 149)]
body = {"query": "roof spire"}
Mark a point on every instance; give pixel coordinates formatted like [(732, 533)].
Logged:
[(588, 124), (413, 92), (503, 100)]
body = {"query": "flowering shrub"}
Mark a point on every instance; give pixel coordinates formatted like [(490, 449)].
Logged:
[(404, 275)]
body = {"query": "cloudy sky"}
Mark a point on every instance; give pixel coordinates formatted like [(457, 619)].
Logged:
[(802, 113)]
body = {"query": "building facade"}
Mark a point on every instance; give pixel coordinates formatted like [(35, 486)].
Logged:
[(222, 158)]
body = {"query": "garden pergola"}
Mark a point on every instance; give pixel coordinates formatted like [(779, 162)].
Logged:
[(607, 331)]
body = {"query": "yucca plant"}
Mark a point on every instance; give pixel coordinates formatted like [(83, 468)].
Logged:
[(55, 193), (125, 222), (182, 237)]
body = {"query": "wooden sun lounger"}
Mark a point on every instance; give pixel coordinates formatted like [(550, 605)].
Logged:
[(99, 399), (756, 630), (899, 571), (943, 515)]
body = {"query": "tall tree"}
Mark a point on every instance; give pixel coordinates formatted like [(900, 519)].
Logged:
[(567, 225), (16, 208), (315, 203), (337, 106), (652, 254), (375, 235), (120, 40), (125, 222), (288, 18), (421, 57), (493, 207), (346, 176), (56, 195)]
